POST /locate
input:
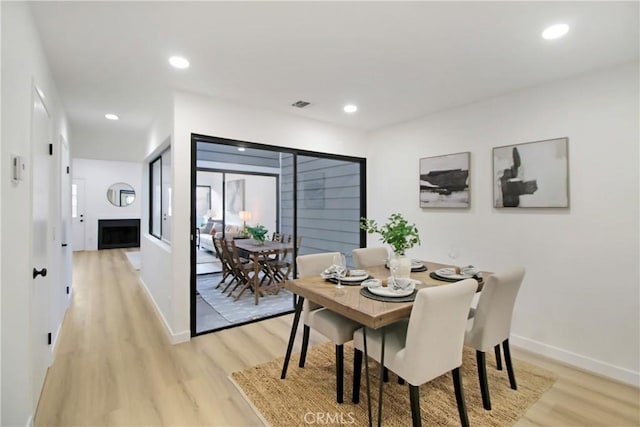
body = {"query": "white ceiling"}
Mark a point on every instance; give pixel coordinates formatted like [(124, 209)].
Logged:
[(396, 61)]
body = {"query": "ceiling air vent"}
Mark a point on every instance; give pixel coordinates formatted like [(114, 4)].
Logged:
[(300, 104)]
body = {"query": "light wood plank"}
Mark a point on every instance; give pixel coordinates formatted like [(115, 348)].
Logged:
[(115, 366)]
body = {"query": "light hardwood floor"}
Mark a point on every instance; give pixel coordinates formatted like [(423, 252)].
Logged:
[(114, 365)]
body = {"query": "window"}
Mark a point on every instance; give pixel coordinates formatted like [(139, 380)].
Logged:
[(160, 196)]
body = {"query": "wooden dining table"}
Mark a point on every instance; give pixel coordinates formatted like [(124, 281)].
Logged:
[(350, 303), (257, 251)]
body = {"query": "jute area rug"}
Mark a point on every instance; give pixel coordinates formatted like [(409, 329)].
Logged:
[(307, 395)]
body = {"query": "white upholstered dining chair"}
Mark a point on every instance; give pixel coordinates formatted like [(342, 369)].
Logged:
[(368, 257), (337, 328), (490, 324), (426, 346)]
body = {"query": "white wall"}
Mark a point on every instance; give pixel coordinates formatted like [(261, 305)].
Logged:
[(156, 266), (261, 194), (99, 175), (207, 116), (24, 63), (580, 298)]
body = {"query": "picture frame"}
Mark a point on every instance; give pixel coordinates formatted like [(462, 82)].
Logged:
[(445, 181), (234, 196), (532, 174)]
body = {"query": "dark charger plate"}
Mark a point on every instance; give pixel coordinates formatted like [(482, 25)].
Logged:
[(367, 293), (356, 283), (434, 276), (413, 269)]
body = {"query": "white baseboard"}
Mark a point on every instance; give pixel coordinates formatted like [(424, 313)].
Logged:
[(54, 344), (624, 375), (183, 336), (174, 338)]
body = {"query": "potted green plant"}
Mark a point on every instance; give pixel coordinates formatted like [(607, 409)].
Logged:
[(258, 233), (398, 234)]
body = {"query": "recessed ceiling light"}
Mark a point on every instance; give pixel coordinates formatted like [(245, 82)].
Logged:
[(350, 108), (111, 116), (241, 148), (179, 62), (555, 31)]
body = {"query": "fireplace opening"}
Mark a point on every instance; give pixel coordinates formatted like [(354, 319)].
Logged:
[(118, 233)]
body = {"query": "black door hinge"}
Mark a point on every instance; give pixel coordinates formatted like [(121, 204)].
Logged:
[(67, 170), (51, 149), (67, 290), (49, 338)]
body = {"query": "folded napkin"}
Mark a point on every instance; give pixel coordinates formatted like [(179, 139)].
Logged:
[(330, 272), (446, 271), (469, 270), (371, 283), (412, 281)]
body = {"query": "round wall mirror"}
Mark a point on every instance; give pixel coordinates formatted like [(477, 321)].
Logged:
[(121, 194)]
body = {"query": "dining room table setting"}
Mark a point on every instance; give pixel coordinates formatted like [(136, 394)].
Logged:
[(372, 296)]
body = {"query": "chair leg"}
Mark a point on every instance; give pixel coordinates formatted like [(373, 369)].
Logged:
[(357, 371), (414, 397), (482, 375), (507, 359), (305, 344), (385, 375), (498, 357), (339, 373), (462, 407)]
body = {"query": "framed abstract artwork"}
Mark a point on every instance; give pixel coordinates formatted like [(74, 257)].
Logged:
[(444, 181), (532, 175), (234, 196)]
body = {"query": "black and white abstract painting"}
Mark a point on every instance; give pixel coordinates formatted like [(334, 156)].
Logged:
[(444, 181), (532, 175)]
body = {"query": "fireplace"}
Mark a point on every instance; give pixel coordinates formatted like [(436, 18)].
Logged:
[(118, 233)]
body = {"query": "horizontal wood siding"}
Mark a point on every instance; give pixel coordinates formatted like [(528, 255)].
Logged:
[(328, 204)]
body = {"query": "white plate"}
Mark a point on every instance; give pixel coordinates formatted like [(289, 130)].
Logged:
[(354, 278), (416, 263), (388, 292), (450, 273)]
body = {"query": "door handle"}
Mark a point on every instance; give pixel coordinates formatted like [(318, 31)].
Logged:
[(64, 245), (42, 272)]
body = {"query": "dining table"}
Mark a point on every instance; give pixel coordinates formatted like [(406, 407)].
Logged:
[(349, 302), (258, 251)]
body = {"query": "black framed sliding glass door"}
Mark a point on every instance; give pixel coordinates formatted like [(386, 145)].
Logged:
[(319, 201)]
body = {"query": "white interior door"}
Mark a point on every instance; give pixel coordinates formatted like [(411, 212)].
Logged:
[(65, 213), (41, 241), (77, 214)]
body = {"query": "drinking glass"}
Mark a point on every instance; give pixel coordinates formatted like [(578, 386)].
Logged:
[(453, 254), (340, 264)]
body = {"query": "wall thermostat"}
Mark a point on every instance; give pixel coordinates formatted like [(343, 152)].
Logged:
[(17, 168)]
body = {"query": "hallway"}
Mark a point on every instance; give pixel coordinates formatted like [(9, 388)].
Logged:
[(115, 366)]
